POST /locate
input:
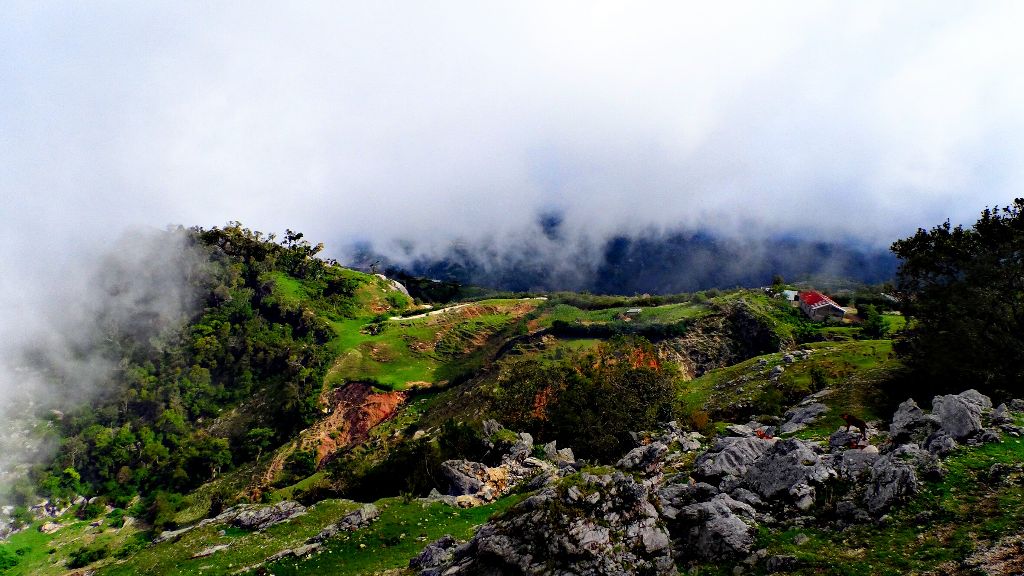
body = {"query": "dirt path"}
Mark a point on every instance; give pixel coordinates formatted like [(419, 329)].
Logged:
[(450, 309)]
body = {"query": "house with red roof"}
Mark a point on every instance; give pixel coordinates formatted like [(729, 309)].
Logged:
[(819, 307)]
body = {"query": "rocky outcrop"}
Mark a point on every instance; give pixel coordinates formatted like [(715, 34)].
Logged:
[(297, 552), (265, 517), (359, 518), (721, 528), (210, 551), (472, 483), (647, 459), (596, 524), (959, 416), (911, 424), (798, 417), (893, 477), (731, 456), (791, 469), (434, 556), (649, 511)]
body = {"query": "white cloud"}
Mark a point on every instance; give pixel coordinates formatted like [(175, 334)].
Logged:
[(464, 119)]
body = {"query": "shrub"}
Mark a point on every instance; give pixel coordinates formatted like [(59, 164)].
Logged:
[(87, 555)]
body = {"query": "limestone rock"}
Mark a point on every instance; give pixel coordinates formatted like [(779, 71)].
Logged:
[(716, 530), (265, 517), (350, 522), (798, 417), (463, 476), (893, 477), (1001, 415), (647, 459), (976, 398), (853, 463), (211, 551), (565, 529), (298, 552), (940, 443), (959, 416), (731, 456), (676, 495), (910, 423), (843, 438), (738, 430), (790, 467), (435, 555)]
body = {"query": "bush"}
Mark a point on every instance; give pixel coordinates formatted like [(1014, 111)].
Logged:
[(301, 463), (7, 560), (92, 510), (590, 401), (87, 555)]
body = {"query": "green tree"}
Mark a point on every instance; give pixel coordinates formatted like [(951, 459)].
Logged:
[(874, 324), (964, 289)]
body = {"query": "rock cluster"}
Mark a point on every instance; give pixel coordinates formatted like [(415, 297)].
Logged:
[(359, 518), (474, 483), (600, 523), (248, 516), (642, 518), (265, 517)]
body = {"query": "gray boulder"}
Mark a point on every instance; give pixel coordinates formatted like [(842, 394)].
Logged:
[(854, 463), (463, 476), (676, 495), (958, 416), (435, 555), (940, 443), (522, 448), (1001, 415), (731, 456), (799, 416), (893, 477), (791, 467), (716, 530), (647, 459), (738, 430), (976, 398), (911, 424), (263, 518), (844, 438)]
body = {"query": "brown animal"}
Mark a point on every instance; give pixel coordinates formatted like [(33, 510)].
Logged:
[(852, 420)]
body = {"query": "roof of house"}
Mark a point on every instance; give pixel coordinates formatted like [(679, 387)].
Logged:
[(815, 298)]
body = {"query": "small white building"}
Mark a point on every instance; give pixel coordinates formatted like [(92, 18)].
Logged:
[(790, 295)]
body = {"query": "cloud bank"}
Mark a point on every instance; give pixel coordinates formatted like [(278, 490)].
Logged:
[(423, 123)]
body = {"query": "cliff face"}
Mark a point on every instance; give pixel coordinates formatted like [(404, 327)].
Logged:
[(735, 334)]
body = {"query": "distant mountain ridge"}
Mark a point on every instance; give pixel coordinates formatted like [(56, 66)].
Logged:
[(651, 263)]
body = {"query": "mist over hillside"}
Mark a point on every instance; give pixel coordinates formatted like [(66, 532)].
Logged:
[(647, 262)]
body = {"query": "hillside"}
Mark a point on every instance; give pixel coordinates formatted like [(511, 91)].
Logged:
[(308, 418)]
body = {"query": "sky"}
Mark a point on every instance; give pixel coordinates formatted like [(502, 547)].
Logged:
[(427, 122)]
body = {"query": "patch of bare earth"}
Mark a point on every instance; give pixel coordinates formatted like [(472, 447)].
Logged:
[(355, 410)]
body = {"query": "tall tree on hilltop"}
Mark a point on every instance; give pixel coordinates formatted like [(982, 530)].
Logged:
[(965, 293)]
